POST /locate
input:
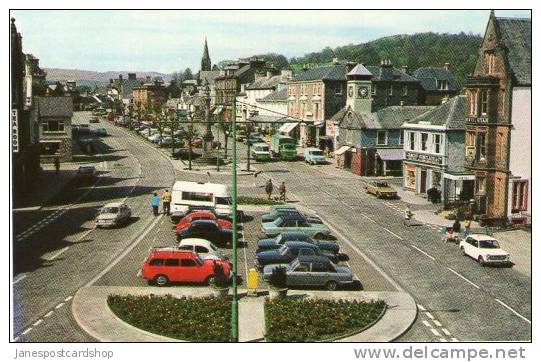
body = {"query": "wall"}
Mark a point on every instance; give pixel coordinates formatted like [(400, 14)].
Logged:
[(455, 150), (382, 99), (369, 138)]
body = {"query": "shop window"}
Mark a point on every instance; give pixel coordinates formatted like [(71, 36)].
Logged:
[(436, 179), (520, 195), (49, 148), (53, 126), (480, 185), (410, 176), (382, 138), (424, 141)]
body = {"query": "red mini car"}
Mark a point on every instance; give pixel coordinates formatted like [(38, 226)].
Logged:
[(168, 265), (201, 215)]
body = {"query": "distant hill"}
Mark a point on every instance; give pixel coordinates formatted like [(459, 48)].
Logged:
[(417, 50), (91, 77)]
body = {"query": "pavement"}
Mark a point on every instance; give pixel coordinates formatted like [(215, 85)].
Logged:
[(94, 316)]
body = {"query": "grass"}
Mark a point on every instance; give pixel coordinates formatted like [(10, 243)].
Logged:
[(250, 200), (309, 320), (205, 319)]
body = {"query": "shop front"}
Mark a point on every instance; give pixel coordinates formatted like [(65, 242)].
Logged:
[(423, 172)]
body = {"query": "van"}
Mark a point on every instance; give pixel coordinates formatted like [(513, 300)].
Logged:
[(186, 195), (261, 152), (313, 156)]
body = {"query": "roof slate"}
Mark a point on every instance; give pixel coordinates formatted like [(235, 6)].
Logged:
[(329, 72), (516, 35), (277, 96), (266, 83), (450, 114), (428, 76), (387, 118), (55, 106), (397, 75)]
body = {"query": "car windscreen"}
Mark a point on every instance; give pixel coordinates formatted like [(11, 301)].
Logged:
[(489, 244), (109, 210), (223, 200)]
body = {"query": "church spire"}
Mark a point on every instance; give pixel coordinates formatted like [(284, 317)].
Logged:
[(205, 61)]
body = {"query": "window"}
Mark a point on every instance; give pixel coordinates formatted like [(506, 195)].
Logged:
[(437, 143), (49, 148), (499, 146), (470, 137), (316, 111), (201, 249), (156, 262), (484, 102), (53, 126), (187, 262), (374, 90), (405, 90), (481, 146), (473, 103), (390, 90), (412, 141), (196, 196), (172, 262), (319, 267), (489, 61), (223, 200), (424, 141), (520, 195), (382, 137), (401, 141), (442, 84), (338, 90), (480, 184)]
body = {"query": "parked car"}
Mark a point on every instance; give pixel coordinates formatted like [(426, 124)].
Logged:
[(276, 213), (485, 249), (206, 229), (272, 244), (167, 265), (101, 132), (197, 142), (201, 215), (184, 154), (204, 248), (289, 252), (313, 271), (94, 119), (313, 156), (381, 189), (155, 138), (253, 139), (113, 214), (295, 223), (86, 172)]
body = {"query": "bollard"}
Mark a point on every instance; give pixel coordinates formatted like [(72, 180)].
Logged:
[(252, 283)]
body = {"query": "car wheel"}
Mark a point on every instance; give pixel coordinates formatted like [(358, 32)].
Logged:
[(211, 279), (161, 280), (481, 261), (319, 236), (331, 285)]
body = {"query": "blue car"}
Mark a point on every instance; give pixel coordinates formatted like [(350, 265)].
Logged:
[(289, 252), (277, 242)]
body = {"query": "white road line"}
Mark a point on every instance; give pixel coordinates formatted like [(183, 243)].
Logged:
[(514, 311), (50, 313), (15, 339), (26, 330), (447, 333), (429, 315), (437, 323), (59, 306), (423, 252), (435, 332), (463, 278), (60, 252), (37, 323), (125, 252), (390, 232), (427, 324), (67, 299), (420, 307), (443, 340), (454, 340), (19, 278)]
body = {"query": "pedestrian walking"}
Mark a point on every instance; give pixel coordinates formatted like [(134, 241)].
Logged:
[(282, 190), (166, 202), (155, 203), (467, 225), (268, 188), (456, 226), (57, 165)]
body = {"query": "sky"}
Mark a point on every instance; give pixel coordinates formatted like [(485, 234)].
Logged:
[(167, 41)]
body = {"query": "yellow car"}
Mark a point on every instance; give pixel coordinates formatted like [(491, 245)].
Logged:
[(381, 189), (241, 135)]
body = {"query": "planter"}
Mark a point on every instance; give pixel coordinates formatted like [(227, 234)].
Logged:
[(278, 292), (220, 292)]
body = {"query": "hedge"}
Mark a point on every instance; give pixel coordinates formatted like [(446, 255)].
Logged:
[(249, 200), (309, 320), (204, 319)]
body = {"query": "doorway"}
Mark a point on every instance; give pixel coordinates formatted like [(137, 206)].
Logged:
[(422, 186)]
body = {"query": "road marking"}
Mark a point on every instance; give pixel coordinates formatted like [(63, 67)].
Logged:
[(423, 252), (50, 313), (463, 278), (390, 232), (125, 252), (420, 307), (437, 322), (514, 311), (435, 332), (15, 339), (443, 340), (19, 278), (26, 330), (426, 323), (447, 333), (454, 339), (37, 323), (68, 298), (429, 315), (54, 256), (59, 306)]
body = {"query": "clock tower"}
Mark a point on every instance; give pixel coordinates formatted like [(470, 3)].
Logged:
[(359, 89)]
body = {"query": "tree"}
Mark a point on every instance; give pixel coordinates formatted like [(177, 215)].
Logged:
[(187, 75)]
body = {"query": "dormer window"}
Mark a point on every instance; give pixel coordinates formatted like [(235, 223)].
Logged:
[(442, 84)]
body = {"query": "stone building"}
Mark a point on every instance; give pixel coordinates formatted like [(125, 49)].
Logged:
[(55, 137), (498, 122), (148, 96), (437, 85)]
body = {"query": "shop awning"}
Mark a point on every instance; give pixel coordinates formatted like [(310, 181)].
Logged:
[(459, 177), (342, 149), (287, 127), (391, 154)]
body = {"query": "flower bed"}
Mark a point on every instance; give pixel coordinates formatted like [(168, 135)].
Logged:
[(249, 200), (305, 320), (205, 319)]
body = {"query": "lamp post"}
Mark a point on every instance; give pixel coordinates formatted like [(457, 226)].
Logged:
[(208, 137), (234, 301)]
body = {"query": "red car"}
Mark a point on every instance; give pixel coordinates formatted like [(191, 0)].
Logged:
[(201, 215), (197, 142), (170, 265)]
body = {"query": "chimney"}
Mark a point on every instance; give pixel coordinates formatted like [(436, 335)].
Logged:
[(286, 74), (120, 77), (132, 76), (446, 66), (386, 70), (405, 69), (350, 66)]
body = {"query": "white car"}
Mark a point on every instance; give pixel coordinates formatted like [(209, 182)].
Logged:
[(484, 249), (204, 248), (155, 138), (113, 214)]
